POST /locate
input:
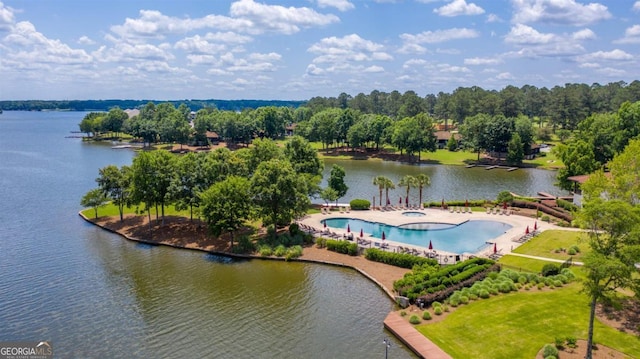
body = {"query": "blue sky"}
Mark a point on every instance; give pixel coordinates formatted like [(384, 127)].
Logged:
[(276, 49)]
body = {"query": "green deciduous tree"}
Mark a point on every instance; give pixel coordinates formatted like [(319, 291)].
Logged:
[(94, 199), (226, 205), (515, 152), (115, 183), (336, 181), (280, 195)]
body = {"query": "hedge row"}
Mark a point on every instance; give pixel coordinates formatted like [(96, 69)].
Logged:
[(446, 292), (472, 203), (343, 247), (359, 204), (424, 280), (403, 260)]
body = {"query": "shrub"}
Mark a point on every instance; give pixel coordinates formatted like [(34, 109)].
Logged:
[(445, 308), (293, 252), (414, 319), (403, 260), (550, 269), (557, 283), (568, 273), (504, 196), (437, 310), (344, 247), (575, 248), (464, 299), (559, 342), (294, 229), (435, 305), (544, 218), (454, 302), (541, 285), (571, 251), (321, 242), (359, 204), (426, 315), (280, 251), (484, 294), (265, 251), (244, 245), (572, 342), (549, 351)]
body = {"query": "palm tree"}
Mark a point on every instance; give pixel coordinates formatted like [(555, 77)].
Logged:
[(385, 183), (422, 180), (380, 181), (408, 181)]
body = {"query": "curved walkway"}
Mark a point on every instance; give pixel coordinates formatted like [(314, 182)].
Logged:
[(543, 258)]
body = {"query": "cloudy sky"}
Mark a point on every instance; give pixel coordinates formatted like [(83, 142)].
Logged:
[(278, 49)]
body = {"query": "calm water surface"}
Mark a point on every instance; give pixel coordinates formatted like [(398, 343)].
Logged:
[(94, 294)]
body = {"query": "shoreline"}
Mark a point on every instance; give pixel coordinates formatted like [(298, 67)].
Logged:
[(330, 258), (420, 345)]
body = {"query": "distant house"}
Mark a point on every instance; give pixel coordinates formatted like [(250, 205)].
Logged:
[(212, 137), (132, 112), (442, 137), (290, 129), (533, 152), (577, 191)]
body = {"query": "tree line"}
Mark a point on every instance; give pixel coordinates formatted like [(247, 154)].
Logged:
[(106, 105), (224, 187)]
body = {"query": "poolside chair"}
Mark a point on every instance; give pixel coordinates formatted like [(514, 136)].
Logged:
[(488, 210)]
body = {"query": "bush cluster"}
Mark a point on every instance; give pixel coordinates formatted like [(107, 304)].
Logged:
[(343, 247), (359, 204), (424, 280), (504, 282), (566, 205), (414, 319), (472, 203), (403, 260)]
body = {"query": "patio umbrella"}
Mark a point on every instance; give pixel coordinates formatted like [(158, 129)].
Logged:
[(400, 201), (430, 245), (388, 202), (383, 236), (495, 248), (325, 224), (348, 229), (526, 231), (504, 205), (361, 234), (535, 225), (406, 201)]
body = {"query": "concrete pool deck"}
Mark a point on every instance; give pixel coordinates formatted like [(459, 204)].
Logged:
[(505, 243)]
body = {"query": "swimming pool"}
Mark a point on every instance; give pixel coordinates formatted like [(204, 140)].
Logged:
[(468, 237), (413, 214)]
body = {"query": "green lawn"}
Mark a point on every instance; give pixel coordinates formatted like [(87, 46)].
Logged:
[(546, 243), (517, 325), (548, 161), (112, 210)]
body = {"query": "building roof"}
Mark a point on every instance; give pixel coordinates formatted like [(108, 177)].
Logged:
[(211, 134), (582, 178), (446, 135)]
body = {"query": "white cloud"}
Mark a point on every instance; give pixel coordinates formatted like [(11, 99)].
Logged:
[(584, 34), (125, 52), (411, 48), (636, 6), (526, 35), (200, 45), (504, 76), (493, 18), (631, 36), (85, 40), (589, 65), (342, 5), (374, 69), (562, 12), (276, 18), (6, 17), (432, 37), (613, 55), (479, 61), (348, 48), (459, 7), (31, 46)]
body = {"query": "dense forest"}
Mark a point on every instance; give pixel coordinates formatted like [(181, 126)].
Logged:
[(106, 105)]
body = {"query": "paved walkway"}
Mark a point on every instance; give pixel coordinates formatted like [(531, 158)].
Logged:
[(543, 258), (412, 338)]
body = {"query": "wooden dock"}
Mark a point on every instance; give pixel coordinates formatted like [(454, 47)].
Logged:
[(418, 343)]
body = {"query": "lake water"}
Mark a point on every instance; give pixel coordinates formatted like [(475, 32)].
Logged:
[(95, 295)]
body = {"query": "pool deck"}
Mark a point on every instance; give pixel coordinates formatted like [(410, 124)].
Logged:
[(505, 243)]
